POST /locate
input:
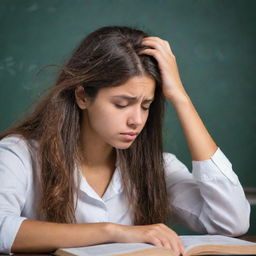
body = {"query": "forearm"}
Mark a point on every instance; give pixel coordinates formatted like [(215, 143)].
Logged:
[(37, 236), (200, 143)]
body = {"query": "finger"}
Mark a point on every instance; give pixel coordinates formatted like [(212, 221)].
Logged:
[(182, 249), (156, 54), (171, 243), (166, 243), (158, 44), (155, 241), (174, 245), (182, 252), (174, 238), (167, 45), (177, 241), (154, 38), (161, 58), (151, 52), (161, 54), (168, 237)]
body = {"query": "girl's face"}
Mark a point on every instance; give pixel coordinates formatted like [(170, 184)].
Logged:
[(118, 114)]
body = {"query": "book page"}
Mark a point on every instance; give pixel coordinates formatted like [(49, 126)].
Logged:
[(107, 249), (197, 240), (119, 248)]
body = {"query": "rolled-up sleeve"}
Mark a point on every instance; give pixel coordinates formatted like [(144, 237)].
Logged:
[(13, 187), (210, 199)]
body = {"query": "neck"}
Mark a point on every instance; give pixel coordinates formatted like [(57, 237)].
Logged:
[(94, 151), (96, 155)]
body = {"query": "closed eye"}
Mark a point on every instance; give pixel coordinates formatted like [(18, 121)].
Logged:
[(120, 106)]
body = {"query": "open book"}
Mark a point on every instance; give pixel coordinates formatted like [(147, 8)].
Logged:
[(194, 245)]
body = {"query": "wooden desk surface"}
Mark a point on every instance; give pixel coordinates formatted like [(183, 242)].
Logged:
[(247, 238)]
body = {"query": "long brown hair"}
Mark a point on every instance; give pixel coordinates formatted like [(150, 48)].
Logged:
[(107, 57)]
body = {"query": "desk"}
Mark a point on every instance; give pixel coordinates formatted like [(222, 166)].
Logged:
[(247, 238)]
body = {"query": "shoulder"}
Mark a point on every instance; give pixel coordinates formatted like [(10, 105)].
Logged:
[(14, 140), (15, 143), (172, 163), (169, 157), (16, 150), (175, 170)]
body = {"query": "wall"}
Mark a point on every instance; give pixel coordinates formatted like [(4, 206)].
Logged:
[(213, 40)]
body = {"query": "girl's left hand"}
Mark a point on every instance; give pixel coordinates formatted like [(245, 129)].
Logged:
[(161, 51)]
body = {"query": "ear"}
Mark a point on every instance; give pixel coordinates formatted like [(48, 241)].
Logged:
[(81, 98)]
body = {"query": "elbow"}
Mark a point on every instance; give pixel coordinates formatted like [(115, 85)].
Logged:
[(234, 229), (239, 221), (239, 228), (233, 224)]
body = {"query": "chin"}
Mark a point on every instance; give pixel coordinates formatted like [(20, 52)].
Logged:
[(124, 145)]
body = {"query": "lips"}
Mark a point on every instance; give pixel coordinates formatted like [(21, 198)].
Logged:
[(129, 135)]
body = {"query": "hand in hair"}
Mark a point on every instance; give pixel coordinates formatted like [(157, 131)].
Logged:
[(157, 234), (161, 51), (200, 143)]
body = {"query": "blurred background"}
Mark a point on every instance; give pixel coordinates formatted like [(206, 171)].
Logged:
[(213, 41)]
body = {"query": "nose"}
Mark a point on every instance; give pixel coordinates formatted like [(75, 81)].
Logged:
[(136, 118)]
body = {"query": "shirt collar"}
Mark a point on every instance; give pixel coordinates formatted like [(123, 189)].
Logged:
[(115, 186)]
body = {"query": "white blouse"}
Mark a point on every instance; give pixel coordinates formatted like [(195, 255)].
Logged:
[(210, 200)]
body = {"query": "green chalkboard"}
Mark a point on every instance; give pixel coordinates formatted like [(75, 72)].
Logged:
[(214, 42)]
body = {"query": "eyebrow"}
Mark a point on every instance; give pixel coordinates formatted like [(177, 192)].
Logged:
[(132, 98)]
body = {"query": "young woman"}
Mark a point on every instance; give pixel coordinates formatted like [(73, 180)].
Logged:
[(87, 167)]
